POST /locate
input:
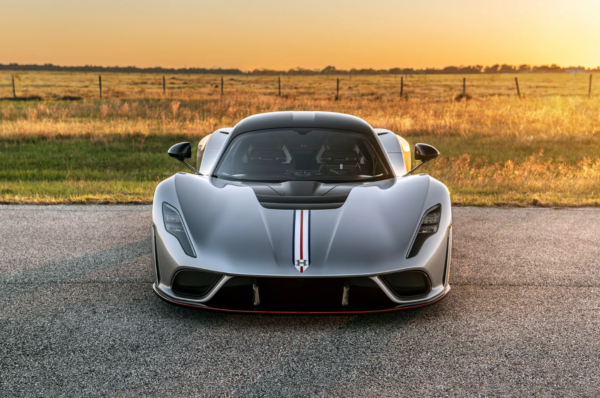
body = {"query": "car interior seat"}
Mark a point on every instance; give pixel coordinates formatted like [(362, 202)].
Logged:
[(265, 156), (340, 158)]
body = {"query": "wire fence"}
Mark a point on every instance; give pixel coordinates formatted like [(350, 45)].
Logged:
[(74, 86)]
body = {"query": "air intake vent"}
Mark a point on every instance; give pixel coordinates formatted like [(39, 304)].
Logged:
[(307, 195), (194, 283), (408, 283)]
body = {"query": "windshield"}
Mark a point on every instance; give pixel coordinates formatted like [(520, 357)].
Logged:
[(303, 154)]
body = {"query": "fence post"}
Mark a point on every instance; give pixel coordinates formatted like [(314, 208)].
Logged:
[(590, 89), (164, 86), (14, 90), (221, 86), (464, 86), (401, 86), (517, 83), (279, 84), (100, 85), (337, 91)]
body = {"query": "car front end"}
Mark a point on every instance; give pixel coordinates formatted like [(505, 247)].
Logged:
[(388, 247)]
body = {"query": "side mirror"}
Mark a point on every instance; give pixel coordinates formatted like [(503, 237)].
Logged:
[(181, 151), (425, 153)]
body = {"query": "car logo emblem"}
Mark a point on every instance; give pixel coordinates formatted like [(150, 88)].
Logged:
[(301, 240)]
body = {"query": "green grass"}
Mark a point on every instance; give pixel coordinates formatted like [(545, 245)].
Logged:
[(114, 170), (117, 158)]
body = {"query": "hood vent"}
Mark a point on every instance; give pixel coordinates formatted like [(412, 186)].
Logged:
[(306, 195)]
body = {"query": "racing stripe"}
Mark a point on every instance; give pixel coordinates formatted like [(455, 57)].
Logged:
[(301, 239)]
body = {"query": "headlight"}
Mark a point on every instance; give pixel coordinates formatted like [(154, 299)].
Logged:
[(429, 226), (174, 226)]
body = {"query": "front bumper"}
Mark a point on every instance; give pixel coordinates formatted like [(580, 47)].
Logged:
[(321, 295), (301, 295)]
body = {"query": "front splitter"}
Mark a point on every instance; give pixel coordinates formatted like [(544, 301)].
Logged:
[(310, 312)]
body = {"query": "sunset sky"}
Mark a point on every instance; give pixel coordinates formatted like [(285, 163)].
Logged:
[(285, 34)]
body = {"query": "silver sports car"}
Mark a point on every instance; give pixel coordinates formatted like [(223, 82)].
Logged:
[(302, 212)]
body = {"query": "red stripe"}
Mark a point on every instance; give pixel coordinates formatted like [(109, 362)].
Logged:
[(301, 233)]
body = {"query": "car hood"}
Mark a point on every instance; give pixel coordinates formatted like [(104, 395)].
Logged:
[(233, 234)]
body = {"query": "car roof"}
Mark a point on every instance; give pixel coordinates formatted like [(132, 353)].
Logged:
[(324, 120)]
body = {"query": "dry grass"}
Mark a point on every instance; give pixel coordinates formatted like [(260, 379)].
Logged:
[(491, 144), (534, 181), (493, 116)]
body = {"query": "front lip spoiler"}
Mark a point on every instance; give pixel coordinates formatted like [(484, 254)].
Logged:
[(172, 300)]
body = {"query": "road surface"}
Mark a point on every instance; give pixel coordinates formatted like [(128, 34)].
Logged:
[(78, 317)]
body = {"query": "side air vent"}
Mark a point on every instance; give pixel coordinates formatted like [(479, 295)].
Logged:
[(155, 253), (408, 283), (194, 283)]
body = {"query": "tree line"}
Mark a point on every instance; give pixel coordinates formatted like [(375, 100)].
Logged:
[(329, 70)]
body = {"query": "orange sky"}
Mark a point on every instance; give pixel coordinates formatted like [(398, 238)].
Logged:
[(284, 34)]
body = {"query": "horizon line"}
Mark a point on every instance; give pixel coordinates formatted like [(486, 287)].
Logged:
[(451, 69)]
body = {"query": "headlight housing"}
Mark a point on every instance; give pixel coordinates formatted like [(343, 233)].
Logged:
[(174, 226), (429, 225)]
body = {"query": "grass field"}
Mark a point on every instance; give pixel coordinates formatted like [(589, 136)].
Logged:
[(542, 149)]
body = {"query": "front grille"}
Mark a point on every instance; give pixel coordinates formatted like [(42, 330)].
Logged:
[(301, 294), (301, 291)]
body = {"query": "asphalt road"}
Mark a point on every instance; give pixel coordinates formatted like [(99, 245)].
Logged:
[(78, 318)]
